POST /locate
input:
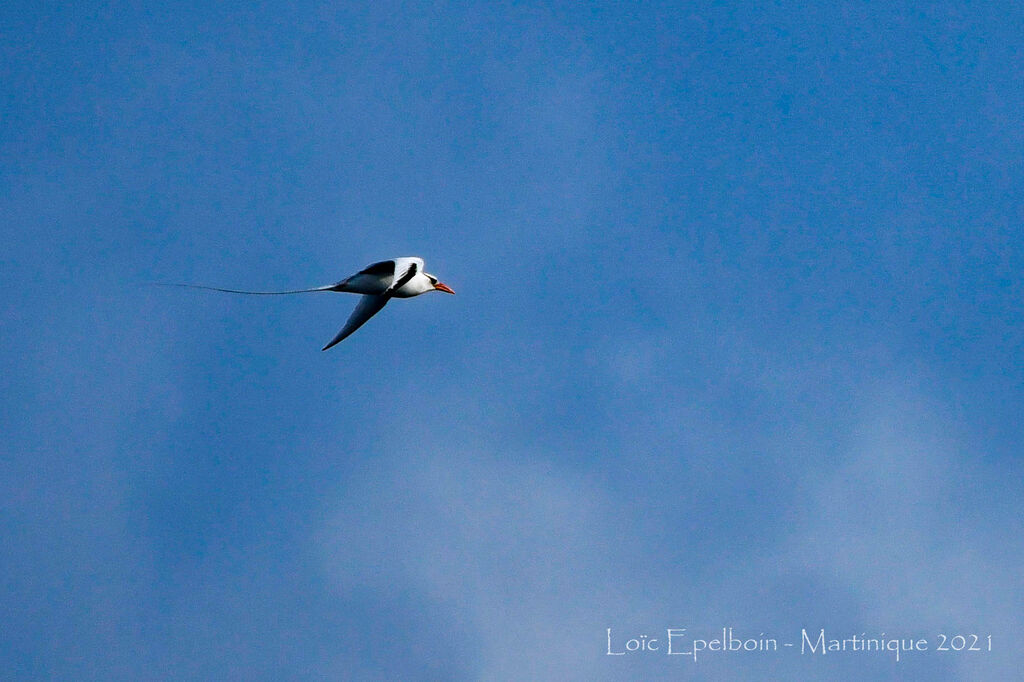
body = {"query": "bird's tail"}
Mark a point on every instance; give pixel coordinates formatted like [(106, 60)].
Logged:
[(329, 287)]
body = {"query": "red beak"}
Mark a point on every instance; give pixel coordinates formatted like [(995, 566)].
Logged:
[(443, 287)]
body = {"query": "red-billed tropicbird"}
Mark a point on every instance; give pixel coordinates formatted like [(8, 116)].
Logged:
[(378, 283)]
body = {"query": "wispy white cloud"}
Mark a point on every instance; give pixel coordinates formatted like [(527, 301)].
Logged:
[(538, 558)]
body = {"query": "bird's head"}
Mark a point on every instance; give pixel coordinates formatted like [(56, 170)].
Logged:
[(439, 286)]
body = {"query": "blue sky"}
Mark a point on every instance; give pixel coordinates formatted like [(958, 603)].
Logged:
[(737, 339)]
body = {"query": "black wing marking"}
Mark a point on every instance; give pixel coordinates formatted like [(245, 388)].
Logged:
[(385, 268), (409, 273)]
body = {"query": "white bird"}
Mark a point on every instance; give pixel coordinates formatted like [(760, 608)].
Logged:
[(378, 283)]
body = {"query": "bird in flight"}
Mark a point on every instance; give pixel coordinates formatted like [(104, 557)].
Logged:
[(378, 283)]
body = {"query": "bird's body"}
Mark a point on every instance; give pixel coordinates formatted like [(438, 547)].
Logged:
[(378, 283), (382, 277)]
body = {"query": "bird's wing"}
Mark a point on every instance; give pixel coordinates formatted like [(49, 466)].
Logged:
[(372, 280), (385, 268), (368, 306), (405, 269)]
